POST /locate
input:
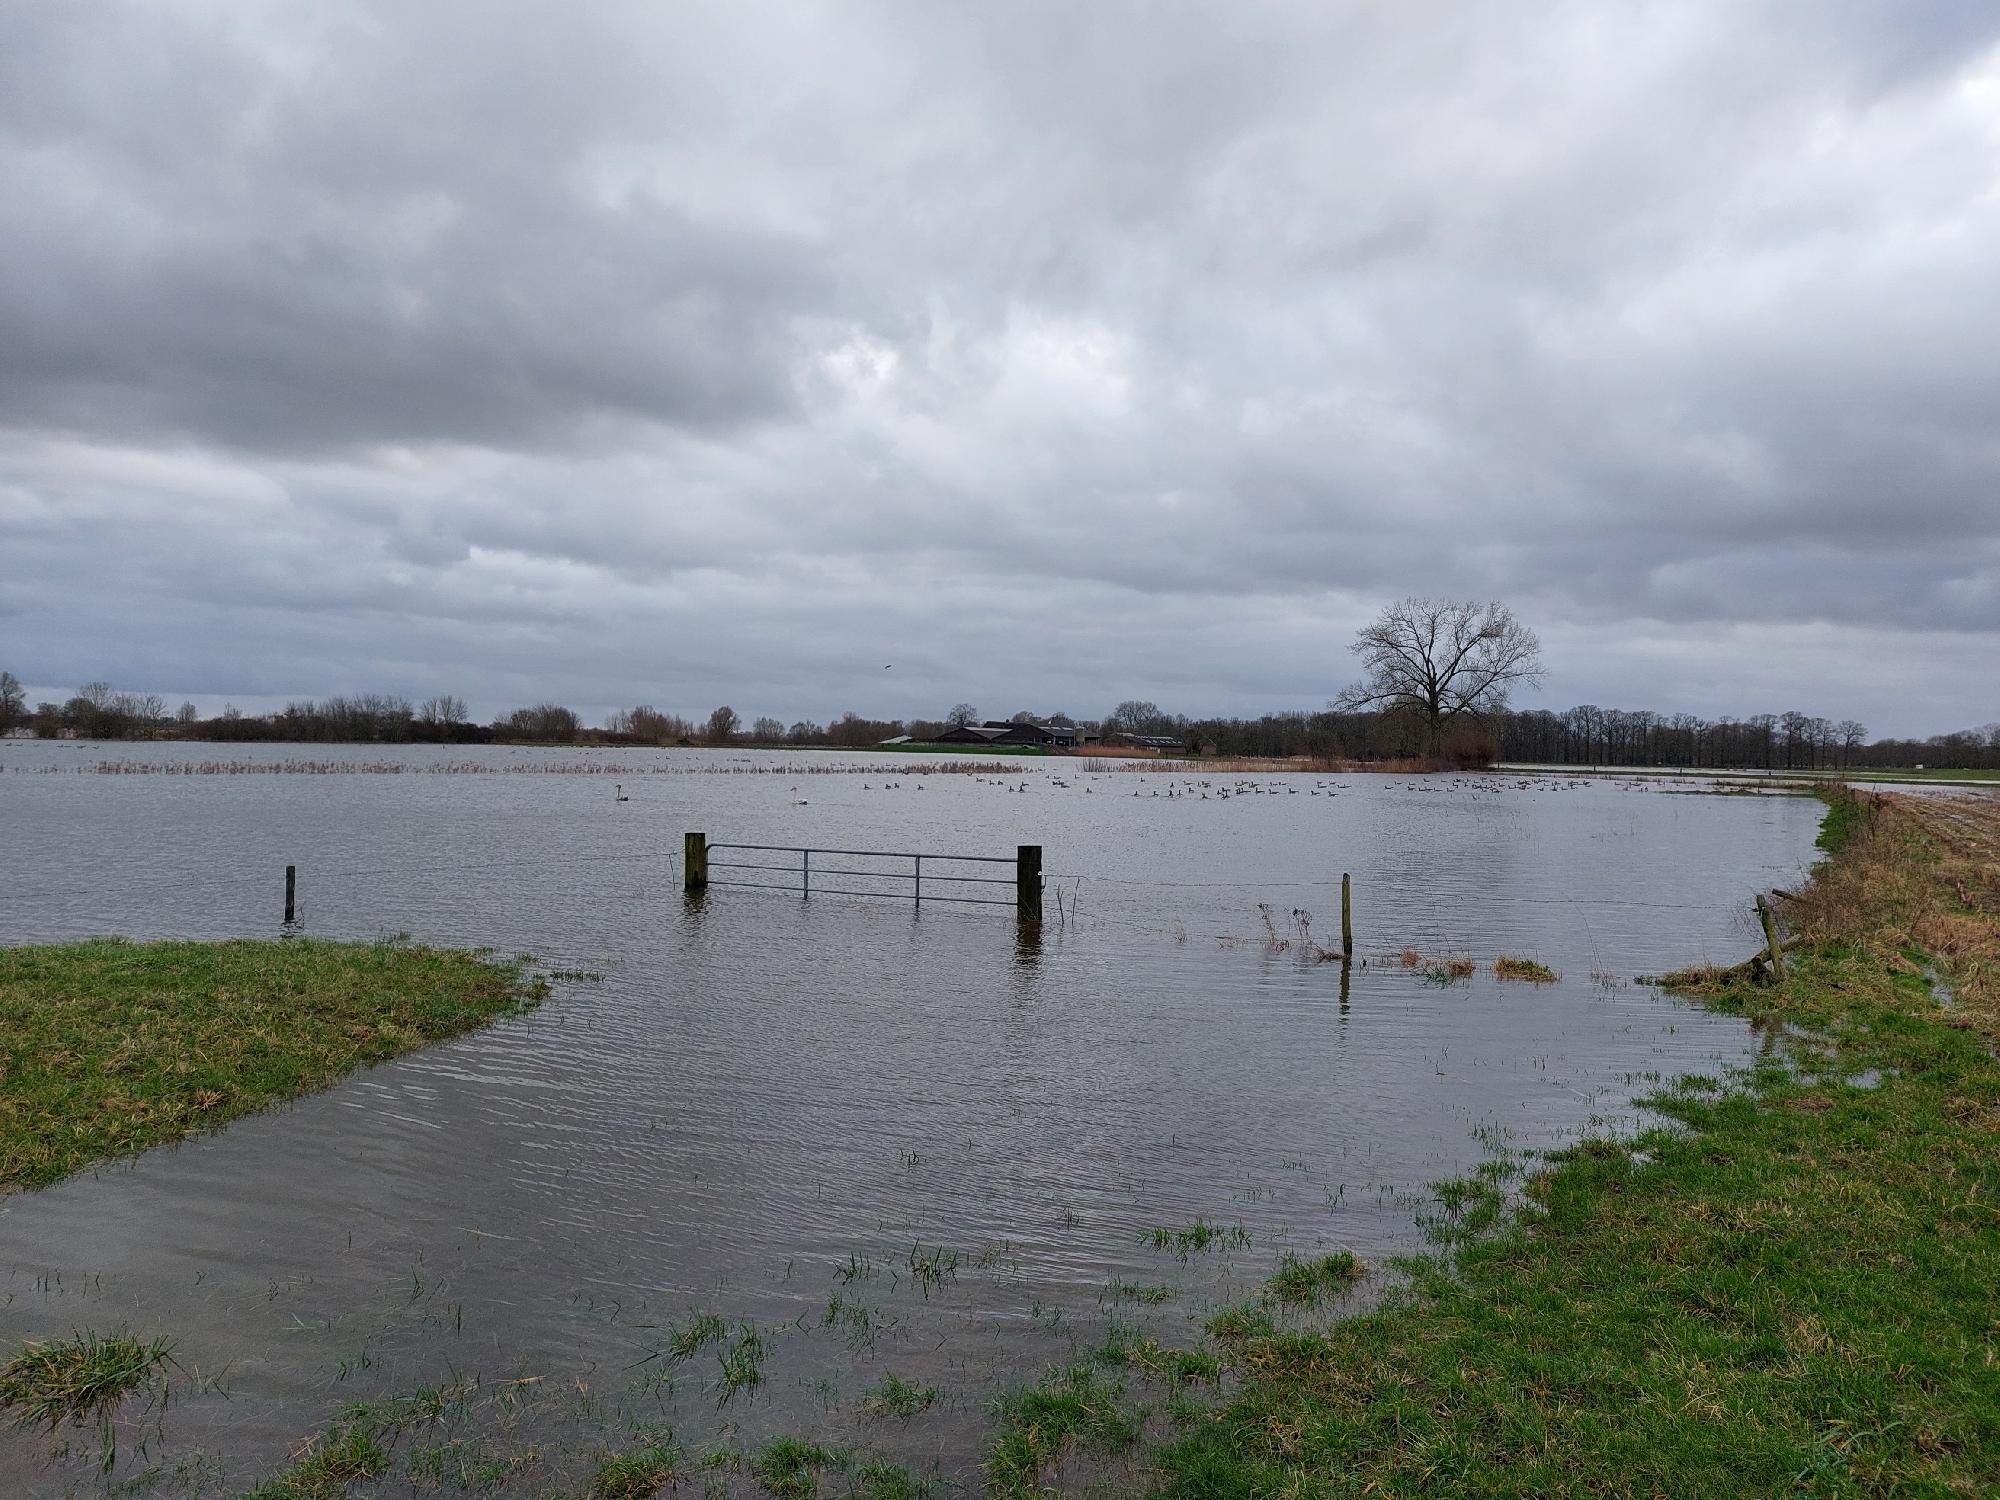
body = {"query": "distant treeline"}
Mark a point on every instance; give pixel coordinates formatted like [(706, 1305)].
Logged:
[(1586, 735)]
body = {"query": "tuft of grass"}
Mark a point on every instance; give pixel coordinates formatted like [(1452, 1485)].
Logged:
[(1525, 970), (642, 1472), (1038, 1426), (79, 1380), (1448, 971), (685, 1340), (742, 1364), (790, 1469), (1310, 1281), (932, 1268), (343, 1457), (879, 1481), (898, 1398), (1198, 1237), (1149, 1295), (108, 1047)]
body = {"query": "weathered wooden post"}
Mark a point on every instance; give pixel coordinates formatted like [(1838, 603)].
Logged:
[(1346, 919), (1777, 949), (291, 892), (694, 863), (1028, 884)]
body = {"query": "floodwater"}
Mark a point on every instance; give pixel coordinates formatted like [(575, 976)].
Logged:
[(735, 1098)]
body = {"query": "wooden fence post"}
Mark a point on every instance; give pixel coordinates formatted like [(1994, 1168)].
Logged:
[(1346, 919), (694, 864), (1028, 884), (1770, 922), (291, 892)]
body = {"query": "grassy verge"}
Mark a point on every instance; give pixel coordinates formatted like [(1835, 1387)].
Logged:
[(109, 1047), (1791, 1287)]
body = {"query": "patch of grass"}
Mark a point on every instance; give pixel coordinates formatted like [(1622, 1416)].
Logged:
[(1198, 1237), (1149, 1295), (856, 1321), (932, 1268), (79, 1380), (1040, 1425), (1310, 1281), (879, 1481), (1448, 971), (1786, 1288), (685, 1340), (642, 1472), (790, 1469), (1524, 970), (898, 1398), (109, 1047), (1846, 815), (742, 1363), (343, 1457)]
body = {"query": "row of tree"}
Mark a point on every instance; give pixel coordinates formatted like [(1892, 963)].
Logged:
[(1581, 736)]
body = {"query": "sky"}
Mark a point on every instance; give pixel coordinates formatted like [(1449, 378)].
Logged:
[(881, 357)]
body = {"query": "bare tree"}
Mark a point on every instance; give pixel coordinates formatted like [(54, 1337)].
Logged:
[(1441, 660), (961, 714), (767, 730), (13, 701), (722, 725), (441, 712)]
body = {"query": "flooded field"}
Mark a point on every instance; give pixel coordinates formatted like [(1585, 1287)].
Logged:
[(871, 1141)]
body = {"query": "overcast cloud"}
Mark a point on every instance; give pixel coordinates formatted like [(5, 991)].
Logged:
[(1053, 354)]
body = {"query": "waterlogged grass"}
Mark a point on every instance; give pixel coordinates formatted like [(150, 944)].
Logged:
[(1305, 1282), (898, 1398), (1788, 1288), (642, 1471), (80, 1380), (1524, 970), (742, 1364), (1197, 1238), (1079, 1407), (109, 1047), (790, 1468), (342, 1458), (685, 1340), (1147, 1294)]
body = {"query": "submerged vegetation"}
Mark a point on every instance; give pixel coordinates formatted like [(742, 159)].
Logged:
[(108, 1047)]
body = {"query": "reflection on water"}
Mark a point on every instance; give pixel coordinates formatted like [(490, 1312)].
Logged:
[(756, 1090)]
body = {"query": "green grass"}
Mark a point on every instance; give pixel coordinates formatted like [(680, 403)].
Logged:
[(742, 1364), (641, 1472), (1077, 1407), (1846, 816), (341, 1459), (685, 1340), (1198, 1237), (1790, 1289), (1147, 1294), (1311, 1281), (109, 1047), (898, 1398), (790, 1469), (80, 1380)]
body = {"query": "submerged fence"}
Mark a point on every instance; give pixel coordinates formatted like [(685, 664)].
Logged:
[(797, 873)]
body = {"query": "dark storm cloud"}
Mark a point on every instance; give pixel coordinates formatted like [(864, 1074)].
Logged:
[(627, 351)]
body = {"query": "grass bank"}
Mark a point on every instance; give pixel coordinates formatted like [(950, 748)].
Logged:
[(1788, 1288), (109, 1047)]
